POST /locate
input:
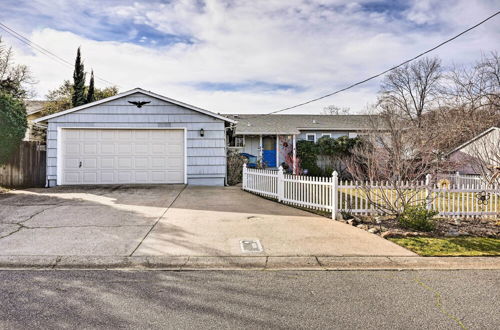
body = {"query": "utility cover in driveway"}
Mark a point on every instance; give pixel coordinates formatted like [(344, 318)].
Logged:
[(251, 246)]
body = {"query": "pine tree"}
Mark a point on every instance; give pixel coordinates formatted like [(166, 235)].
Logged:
[(78, 97), (90, 92)]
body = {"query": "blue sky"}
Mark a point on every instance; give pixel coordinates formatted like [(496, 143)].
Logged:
[(244, 56)]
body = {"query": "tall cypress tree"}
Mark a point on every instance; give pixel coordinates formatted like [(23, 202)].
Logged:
[(90, 92), (78, 97)]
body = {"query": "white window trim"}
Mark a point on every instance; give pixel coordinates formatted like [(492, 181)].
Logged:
[(326, 134), (311, 134), (243, 142)]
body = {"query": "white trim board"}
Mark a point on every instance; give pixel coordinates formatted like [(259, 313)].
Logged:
[(130, 92), (489, 130)]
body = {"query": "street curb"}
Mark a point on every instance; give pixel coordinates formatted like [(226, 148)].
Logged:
[(249, 263)]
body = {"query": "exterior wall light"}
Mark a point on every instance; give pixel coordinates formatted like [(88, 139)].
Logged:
[(202, 132)]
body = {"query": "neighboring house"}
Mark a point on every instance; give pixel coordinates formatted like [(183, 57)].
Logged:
[(120, 141), (34, 132), (478, 155), (270, 137)]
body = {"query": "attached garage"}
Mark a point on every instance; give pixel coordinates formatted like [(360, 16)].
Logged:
[(115, 141), (115, 156)]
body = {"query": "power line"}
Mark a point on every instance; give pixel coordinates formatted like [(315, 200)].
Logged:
[(42, 50), (381, 73)]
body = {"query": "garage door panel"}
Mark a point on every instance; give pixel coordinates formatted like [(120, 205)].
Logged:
[(142, 149), (107, 163), (158, 176), (90, 134), (89, 178), (107, 135), (72, 163), (107, 177), (174, 163), (107, 148), (72, 148), (141, 176), (124, 163), (175, 150), (124, 148), (125, 177), (124, 135), (89, 163), (90, 148), (72, 135), (175, 176), (122, 156), (71, 177), (141, 162), (142, 135), (158, 162)]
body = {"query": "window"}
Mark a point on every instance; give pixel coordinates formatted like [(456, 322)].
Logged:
[(239, 141), (326, 134), (311, 137)]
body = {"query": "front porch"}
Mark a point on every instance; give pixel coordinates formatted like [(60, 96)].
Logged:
[(271, 150)]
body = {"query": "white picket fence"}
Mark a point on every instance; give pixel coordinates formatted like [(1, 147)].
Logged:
[(331, 195), (458, 179)]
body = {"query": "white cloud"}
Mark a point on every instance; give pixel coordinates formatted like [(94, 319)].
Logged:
[(318, 46)]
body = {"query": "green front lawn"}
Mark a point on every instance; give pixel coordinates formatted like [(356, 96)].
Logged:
[(452, 246)]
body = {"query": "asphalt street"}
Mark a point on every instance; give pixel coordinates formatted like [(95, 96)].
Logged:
[(250, 299)]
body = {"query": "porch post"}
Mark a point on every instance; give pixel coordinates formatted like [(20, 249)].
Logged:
[(277, 151), (260, 149), (294, 151)]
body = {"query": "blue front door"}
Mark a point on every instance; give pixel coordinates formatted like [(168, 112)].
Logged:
[(269, 157)]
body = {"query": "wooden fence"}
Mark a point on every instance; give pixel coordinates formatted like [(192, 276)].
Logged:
[(370, 198), (26, 167)]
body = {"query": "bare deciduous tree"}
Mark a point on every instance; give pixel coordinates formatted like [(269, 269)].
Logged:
[(397, 157), (335, 110), (477, 87), (15, 79), (413, 89)]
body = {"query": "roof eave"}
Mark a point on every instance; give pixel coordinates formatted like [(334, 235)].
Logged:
[(130, 92)]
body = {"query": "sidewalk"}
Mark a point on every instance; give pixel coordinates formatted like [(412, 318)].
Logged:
[(248, 263)]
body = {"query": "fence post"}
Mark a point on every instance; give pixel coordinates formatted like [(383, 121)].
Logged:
[(428, 192), (244, 176), (457, 179), (281, 184), (334, 195)]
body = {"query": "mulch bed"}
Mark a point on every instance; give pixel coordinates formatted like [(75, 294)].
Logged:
[(389, 227)]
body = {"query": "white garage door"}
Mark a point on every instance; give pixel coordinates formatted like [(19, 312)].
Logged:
[(110, 156)]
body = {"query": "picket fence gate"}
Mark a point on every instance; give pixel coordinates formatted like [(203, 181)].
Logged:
[(331, 195)]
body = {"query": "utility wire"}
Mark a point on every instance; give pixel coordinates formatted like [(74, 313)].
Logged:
[(381, 73), (42, 50)]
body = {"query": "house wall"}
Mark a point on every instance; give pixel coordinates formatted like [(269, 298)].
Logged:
[(31, 131), (252, 145), (319, 134), (206, 156)]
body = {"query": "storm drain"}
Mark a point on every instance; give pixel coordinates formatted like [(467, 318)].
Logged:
[(252, 245)]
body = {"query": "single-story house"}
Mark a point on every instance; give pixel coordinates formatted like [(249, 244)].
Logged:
[(478, 155), (270, 137), (136, 137), (34, 109)]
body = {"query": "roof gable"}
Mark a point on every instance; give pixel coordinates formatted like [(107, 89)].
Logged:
[(131, 92), (477, 137)]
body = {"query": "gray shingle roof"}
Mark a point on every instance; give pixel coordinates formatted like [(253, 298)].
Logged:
[(34, 106), (291, 124)]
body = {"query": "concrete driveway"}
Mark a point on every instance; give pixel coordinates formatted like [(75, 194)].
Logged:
[(171, 220)]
